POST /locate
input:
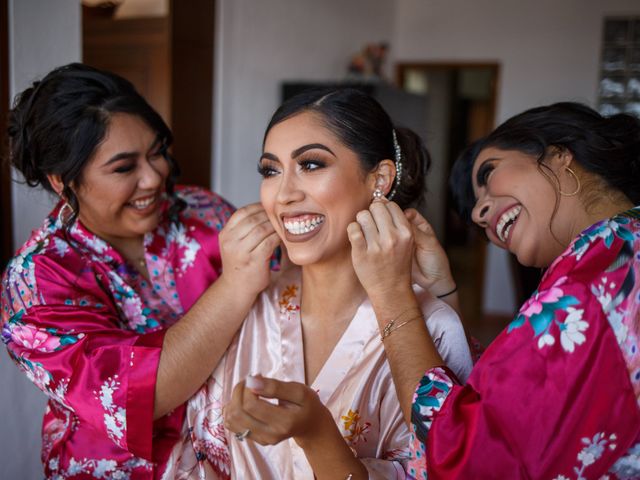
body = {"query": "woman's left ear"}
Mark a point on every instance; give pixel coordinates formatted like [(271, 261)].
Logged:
[(56, 183), (382, 177), (562, 159)]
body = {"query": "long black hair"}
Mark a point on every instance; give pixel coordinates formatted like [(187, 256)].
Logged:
[(608, 147), (363, 126), (56, 124)]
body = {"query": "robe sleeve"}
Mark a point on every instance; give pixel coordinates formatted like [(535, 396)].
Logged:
[(550, 398), (78, 353)]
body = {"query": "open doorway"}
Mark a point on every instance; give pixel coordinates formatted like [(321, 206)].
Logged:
[(462, 104), (166, 49)]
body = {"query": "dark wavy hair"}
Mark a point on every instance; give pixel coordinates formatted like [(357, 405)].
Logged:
[(56, 124), (363, 126), (608, 147)]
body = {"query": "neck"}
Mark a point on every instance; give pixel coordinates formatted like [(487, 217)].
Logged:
[(132, 249), (331, 290), (605, 208)]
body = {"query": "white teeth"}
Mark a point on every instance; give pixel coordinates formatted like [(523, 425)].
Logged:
[(143, 203), (299, 227), (506, 222)]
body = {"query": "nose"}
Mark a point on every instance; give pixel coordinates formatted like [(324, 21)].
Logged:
[(151, 175), (480, 212), (289, 190)]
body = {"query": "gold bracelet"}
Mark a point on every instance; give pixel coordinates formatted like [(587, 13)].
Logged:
[(391, 323), (392, 327)]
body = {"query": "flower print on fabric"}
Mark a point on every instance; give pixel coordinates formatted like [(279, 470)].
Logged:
[(628, 466), (607, 231), (28, 337), (187, 246), (104, 469), (206, 429), (287, 306), (355, 429), (431, 393), (541, 312), (593, 450), (115, 416)]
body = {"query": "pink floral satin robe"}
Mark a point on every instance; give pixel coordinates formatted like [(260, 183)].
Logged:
[(556, 396), (87, 329)]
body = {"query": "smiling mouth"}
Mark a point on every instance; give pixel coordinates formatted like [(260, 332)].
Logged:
[(143, 203), (507, 219), (302, 225)]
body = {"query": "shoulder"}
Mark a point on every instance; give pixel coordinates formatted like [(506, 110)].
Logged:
[(45, 264), (204, 206)]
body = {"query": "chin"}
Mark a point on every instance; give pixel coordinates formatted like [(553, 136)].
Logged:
[(302, 260)]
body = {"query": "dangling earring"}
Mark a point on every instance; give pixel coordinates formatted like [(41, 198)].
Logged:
[(378, 194), (64, 213), (578, 185)]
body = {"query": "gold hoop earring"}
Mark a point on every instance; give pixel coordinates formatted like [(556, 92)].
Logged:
[(65, 212), (578, 185)]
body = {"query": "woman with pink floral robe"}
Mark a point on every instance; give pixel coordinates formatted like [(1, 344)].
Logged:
[(87, 328), (581, 328)]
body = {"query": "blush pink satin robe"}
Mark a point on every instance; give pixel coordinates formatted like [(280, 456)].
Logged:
[(355, 384)]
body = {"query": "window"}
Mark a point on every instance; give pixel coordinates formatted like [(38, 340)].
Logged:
[(619, 90)]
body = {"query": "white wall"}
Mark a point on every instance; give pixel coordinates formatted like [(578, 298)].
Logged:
[(43, 34), (260, 44), (548, 51)]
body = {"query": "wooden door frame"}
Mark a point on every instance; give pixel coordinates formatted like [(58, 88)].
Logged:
[(6, 217), (192, 33)]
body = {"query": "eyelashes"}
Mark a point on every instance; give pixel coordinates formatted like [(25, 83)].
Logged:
[(482, 176), (266, 171), (267, 168)]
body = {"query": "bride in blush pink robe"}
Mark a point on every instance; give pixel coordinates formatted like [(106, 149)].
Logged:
[(319, 399)]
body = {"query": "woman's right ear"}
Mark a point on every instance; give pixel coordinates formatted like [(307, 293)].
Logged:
[(56, 183)]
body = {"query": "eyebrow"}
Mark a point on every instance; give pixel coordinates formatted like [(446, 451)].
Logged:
[(128, 155), (298, 151)]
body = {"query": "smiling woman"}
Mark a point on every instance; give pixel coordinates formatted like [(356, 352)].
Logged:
[(110, 307), (556, 395), (308, 388)]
